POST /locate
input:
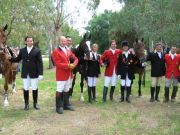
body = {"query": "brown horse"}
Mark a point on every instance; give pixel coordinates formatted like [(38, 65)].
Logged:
[(178, 50), (8, 69), (139, 48)]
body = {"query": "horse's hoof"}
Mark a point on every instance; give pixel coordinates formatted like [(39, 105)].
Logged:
[(82, 98), (14, 91)]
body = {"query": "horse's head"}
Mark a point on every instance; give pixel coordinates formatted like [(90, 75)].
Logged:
[(86, 41), (84, 46), (139, 47), (87, 36), (3, 36)]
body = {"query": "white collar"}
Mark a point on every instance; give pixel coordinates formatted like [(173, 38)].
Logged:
[(30, 47), (69, 47), (128, 52), (170, 54), (113, 51)]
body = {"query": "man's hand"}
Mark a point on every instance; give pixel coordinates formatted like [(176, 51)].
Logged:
[(9, 57), (132, 51), (40, 77), (71, 66), (144, 64)]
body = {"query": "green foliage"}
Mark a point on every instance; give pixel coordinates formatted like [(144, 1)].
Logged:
[(157, 20), (99, 27), (42, 19)]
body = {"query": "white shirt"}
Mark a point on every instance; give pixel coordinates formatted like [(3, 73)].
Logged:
[(63, 49), (126, 53), (172, 55), (159, 54), (113, 51), (29, 49), (95, 55)]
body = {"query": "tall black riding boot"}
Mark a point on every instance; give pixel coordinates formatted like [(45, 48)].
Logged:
[(166, 94), (173, 96), (157, 93), (89, 94), (59, 102), (127, 94), (152, 94), (70, 92), (94, 93), (122, 93), (35, 98), (26, 99), (112, 92), (67, 105), (105, 90)]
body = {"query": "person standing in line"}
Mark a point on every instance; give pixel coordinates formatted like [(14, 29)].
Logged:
[(61, 58), (70, 47), (109, 59), (172, 61), (125, 71), (157, 71), (93, 72), (32, 70)]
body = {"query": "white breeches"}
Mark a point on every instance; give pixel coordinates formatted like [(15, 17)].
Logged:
[(111, 79), (63, 86), (92, 81), (126, 82), (27, 82)]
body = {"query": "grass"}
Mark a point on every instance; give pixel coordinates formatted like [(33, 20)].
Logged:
[(112, 118)]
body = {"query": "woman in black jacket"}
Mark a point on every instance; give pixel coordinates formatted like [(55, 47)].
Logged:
[(93, 72)]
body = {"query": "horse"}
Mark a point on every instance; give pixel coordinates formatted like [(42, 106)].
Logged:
[(178, 50), (8, 69), (82, 53), (139, 49)]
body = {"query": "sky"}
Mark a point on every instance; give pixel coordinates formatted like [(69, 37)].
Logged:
[(80, 20)]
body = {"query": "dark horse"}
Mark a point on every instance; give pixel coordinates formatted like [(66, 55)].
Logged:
[(82, 53), (8, 69), (139, 48)]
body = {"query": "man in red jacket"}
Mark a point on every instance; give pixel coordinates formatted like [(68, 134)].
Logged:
[(61, 57), (110, 58), (172, 61)]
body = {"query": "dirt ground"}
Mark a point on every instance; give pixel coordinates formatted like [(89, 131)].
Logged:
[(112, 118)]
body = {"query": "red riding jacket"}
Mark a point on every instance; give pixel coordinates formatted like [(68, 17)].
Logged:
[(62, 62), (172, 66), (113, 59)]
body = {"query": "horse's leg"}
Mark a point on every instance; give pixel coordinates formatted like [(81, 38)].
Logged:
[(144, 77), (131, 88), (82, 85), (6, 103), (139, 83), (73, 83), (14, 87)]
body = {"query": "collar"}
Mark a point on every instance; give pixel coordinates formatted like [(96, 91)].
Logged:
[(69, 47), (29, 47), (128, 52), (62, 47), (172, 54)]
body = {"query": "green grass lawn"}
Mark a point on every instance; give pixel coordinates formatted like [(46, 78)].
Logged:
[(112, 118)]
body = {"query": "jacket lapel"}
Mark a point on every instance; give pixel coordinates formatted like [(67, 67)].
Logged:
[(31, 50)]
